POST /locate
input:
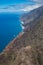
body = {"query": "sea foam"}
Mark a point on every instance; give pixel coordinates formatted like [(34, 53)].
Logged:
[(22, 25), (22, 22)]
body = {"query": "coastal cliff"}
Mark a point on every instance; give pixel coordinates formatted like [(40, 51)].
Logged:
[(27, 48)]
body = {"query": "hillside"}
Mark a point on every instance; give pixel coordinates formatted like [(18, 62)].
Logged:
[(27, 48)]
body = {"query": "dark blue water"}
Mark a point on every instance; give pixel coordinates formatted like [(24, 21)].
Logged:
[(9, 28)]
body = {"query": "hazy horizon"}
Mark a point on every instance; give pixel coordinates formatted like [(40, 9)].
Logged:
[(19, 5)]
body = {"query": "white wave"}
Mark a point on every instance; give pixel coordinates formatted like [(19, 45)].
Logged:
[(22, 22), (23, 27)]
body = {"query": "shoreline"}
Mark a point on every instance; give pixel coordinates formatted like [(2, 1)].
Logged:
[(11, 42), (20, 34), (22, 25)]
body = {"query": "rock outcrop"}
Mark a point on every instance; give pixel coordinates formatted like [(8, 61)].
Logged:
[(27, 48), (31, 19)]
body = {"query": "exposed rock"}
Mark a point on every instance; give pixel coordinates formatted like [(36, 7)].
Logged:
[(27, 48), (30, 55)]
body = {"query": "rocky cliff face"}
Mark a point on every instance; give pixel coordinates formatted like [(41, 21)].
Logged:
[(27, 48), (31, 19)]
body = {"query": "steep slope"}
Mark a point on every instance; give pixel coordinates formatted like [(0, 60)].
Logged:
[(31, 19), (27, 48), (32, 14), (30, 55)]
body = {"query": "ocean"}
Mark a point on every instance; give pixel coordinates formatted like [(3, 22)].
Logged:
[(10, 27)]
